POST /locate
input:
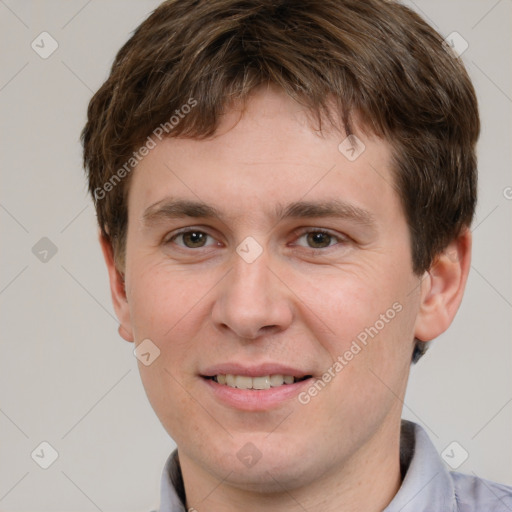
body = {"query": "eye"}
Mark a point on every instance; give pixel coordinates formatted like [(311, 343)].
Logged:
[(191, 239), (320, 239)]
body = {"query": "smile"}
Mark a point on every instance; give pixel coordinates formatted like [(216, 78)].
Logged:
[(256, 383)]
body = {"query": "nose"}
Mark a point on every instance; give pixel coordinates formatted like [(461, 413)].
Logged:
[(252, 300)]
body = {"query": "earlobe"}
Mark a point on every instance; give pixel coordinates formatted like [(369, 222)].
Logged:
[(117, 290), (442, 288), (128, 336)]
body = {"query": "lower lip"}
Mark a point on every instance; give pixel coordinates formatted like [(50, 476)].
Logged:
[(256, 400)]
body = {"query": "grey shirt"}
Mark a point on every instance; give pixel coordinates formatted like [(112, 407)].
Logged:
[(427, 485)]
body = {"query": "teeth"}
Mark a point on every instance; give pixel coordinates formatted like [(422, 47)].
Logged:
[(245, 382), (261, 382), (276, 380)]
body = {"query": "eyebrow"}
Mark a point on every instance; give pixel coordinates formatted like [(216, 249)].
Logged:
[(169, 208), (326, 208)]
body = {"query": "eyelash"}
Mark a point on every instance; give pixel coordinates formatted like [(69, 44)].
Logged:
[(299, 233)]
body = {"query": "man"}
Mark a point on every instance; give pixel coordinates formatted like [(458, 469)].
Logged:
[(284, 192)]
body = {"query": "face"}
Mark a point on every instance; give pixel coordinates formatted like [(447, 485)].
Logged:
[(265, 254)]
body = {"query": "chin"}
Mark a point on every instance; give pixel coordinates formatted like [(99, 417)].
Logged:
[(255, 464), (269, 477)]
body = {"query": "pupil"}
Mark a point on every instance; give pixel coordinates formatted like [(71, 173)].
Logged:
[(319, 239)]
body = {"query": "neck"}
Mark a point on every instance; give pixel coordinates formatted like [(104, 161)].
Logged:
[(367, 482)]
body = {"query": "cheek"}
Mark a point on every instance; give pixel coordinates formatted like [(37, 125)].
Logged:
[(367, 326), (167, 307), (162, 302), (345, 305), (164, 308), (370, 359)]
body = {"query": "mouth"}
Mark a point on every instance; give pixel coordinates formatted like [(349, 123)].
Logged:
[(257, 383), (255, 387)]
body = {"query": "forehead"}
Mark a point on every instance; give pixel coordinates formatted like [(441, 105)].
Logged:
[(262, 158)]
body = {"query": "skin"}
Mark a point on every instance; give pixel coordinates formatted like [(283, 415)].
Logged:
[(298, 303)]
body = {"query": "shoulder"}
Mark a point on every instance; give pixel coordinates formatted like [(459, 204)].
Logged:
[(474, 494)]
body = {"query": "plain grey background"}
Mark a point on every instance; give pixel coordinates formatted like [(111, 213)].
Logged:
[(66, 376)]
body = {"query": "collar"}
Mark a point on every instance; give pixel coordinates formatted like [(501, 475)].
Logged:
[(427, 485)]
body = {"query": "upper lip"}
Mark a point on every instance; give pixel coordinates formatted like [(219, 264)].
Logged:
[(253, 370)]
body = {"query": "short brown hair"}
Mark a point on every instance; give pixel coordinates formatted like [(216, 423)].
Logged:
[(374, 58)]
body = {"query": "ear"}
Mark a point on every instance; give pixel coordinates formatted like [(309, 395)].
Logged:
[(442, 288), (117, 289)]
